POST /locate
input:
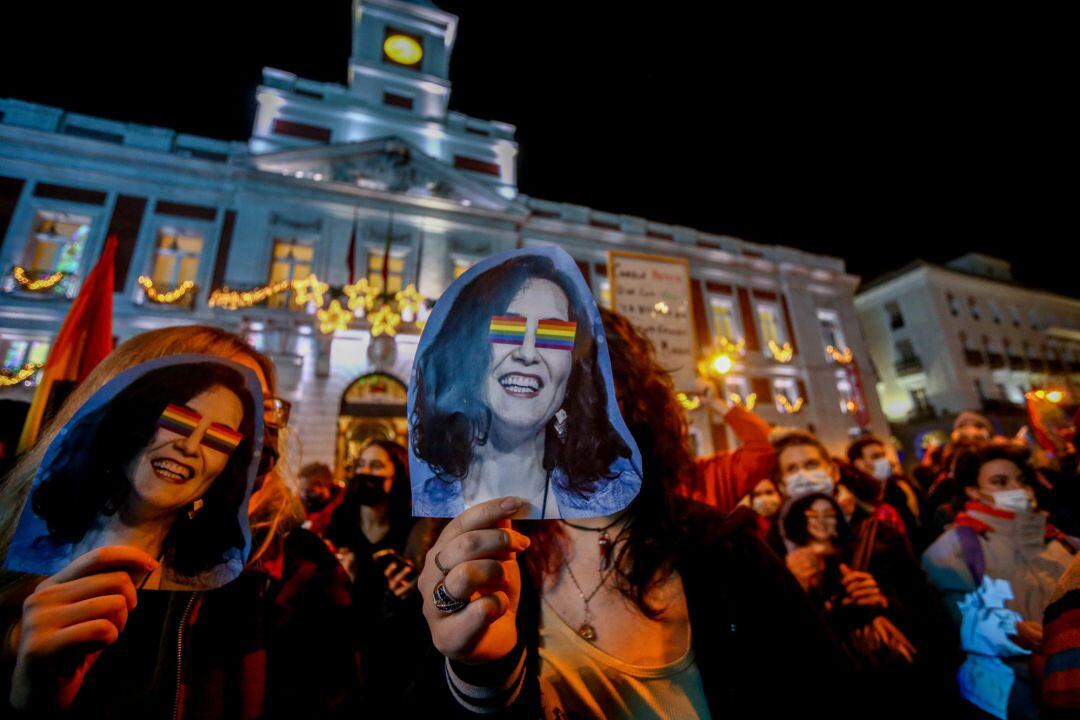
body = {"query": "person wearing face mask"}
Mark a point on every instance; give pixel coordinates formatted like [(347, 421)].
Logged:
[(870, 455), (1001, 535), (382, 547), (765, 500), (320, 495)]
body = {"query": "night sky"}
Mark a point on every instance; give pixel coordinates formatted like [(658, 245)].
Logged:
[(875, 137)]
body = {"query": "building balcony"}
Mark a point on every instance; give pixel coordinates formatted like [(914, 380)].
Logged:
[(908, 366), (1037, 365), (995, 360), (1016, 362), (973, 358), (1055, 366)]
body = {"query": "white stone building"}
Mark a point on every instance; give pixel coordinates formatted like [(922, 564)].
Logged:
[(965, 335), (426, 190)]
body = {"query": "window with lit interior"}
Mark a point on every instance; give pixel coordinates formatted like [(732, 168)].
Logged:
[(56, 244)]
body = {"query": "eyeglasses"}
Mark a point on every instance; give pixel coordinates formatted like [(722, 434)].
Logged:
[(276, 412)]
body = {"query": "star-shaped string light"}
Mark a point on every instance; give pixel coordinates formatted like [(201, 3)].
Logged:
[(384, 321), (309, 289), (409, 299), (333, 318), (362, 294), (839, 357)]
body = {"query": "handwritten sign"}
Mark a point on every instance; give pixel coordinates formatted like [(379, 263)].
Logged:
[(653, 293)]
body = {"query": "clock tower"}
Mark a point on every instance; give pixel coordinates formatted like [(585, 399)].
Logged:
[(401, 56)]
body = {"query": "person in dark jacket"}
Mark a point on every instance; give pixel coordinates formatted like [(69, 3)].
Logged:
[(383, 547), (666, 609)]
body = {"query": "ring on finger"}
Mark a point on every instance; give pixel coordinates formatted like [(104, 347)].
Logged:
[(446, 602), (438, 565)]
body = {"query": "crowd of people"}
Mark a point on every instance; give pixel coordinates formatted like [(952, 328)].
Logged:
[(765, 581)]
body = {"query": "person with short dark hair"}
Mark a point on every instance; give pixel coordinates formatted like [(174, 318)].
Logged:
[(320, 495), (869, 455)]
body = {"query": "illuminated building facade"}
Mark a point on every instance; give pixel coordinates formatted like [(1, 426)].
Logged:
[(419, 193)]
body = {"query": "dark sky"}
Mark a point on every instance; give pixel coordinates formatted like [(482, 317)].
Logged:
[(876, 137)]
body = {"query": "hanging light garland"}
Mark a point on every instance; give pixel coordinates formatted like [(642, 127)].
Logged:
[(781, 353), (35, 285), (409, 299), (688, 402), (7, 378), (235, 300), (839, 357), (165, 298), (749, 402), (787, 407)]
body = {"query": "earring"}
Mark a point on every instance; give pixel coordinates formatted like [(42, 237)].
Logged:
[(195, 508), (560, 424)]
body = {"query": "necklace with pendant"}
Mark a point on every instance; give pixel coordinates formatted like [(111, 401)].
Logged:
[(586, 630)]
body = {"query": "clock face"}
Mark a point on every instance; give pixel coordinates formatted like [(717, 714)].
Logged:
[(402, 49)]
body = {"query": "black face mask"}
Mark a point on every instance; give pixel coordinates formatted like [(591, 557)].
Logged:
[(368, 489)]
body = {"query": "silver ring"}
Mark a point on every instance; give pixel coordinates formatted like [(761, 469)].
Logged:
[(446, 602), (438, 564)]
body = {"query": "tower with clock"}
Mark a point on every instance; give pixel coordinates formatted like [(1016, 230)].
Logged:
[(398, 88)]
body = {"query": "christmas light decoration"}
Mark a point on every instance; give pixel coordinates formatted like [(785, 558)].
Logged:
[(749, 402), (234, 299), (310, 289), (165, 298), (384, 321), (781, 353), (7, 378), (362, 294), (839, 357), (409, 299), (689, 403), (333, 318), (787, 407), (35, 285)]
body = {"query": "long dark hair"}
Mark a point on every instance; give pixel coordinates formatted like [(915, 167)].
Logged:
[(450, 418), (795, 523), (656, 421), (345, 522), (89, 476)]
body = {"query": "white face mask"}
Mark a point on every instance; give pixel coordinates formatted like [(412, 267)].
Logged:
[(766, 505), (1018, 501), (882, 468), (804, 482)]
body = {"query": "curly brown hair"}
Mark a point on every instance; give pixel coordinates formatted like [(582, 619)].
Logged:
[(655, 419)]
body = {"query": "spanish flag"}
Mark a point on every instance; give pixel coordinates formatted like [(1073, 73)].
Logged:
[(84, 339)]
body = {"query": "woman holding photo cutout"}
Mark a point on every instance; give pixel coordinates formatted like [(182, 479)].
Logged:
[(87, 643), (664, 609)]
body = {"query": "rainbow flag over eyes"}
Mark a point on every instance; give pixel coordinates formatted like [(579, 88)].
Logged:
[(179, 420), (220, 438), (182, 421), (507, 330), (556, 334)]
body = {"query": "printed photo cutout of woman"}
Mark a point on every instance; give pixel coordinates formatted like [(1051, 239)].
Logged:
[(163, 458), (512, 394)]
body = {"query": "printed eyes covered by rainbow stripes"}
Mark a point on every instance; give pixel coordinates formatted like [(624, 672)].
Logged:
[(550, 334), (183, 421)]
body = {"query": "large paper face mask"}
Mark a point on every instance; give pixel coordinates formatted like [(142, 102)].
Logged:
[(512, 394), (171, 445)]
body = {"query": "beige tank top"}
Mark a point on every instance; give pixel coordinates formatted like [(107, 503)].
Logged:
[(578, 680)]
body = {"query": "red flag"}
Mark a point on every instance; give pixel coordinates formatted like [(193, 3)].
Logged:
[(84, 339), (350, 259)]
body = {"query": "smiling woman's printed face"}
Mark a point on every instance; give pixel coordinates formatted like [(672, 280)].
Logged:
[(526, 385), (174, 470)]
